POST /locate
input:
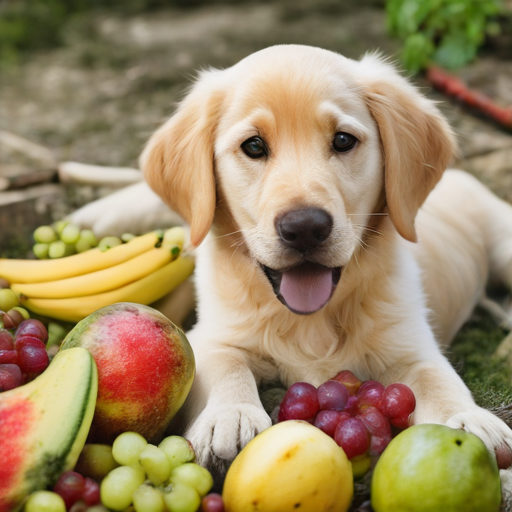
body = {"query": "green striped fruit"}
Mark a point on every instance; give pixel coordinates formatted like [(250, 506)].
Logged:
[(44, 425)]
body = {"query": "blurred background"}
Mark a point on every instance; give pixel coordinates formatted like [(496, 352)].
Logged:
[(88, 81)]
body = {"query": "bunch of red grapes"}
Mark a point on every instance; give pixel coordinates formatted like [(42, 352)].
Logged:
[(72, 487), (23, 354), (358, 415)]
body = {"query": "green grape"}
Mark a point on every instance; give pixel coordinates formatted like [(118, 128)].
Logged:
[(45, 501), (127, 448), (70, 234), (8, 299), (45, 235), (70, 249), (182, 498), (148, 499), (178, 450), (193, 475), (108, 242), (59, 226), (155, 463), (41, 250), (126, 237), (96, 461), (88, 236), (118, 486), (57, 249), (82, 245)]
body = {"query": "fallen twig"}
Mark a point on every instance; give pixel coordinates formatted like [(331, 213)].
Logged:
[(97, 175), (457, 89), (497, 312), (29, 148)]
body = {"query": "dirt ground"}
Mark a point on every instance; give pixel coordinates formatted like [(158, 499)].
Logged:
[(98, 98)]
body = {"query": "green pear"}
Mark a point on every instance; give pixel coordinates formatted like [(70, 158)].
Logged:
[(433, 468)]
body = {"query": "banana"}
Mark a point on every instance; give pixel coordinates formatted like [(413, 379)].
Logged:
[(100, 281), (40, 271), (144, 291)]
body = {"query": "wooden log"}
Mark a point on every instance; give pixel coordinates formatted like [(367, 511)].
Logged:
[(17, 176), (21, 212)]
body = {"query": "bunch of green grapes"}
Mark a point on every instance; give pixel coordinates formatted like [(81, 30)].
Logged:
[(155, 478), (64, 239)]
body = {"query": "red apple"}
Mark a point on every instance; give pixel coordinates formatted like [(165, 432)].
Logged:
[(145, 369)]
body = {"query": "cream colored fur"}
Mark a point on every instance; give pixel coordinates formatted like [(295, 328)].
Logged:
[(397, 303)]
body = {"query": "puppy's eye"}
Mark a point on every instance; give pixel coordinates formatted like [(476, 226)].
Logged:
[(255, 147), (343, 142)]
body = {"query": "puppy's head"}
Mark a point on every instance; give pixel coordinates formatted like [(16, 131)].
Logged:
[(301, 146)]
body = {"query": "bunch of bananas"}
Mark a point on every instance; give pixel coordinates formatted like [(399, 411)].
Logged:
[(142, 270)]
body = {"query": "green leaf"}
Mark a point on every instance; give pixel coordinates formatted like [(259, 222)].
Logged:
[(455, 51), (417, 52)]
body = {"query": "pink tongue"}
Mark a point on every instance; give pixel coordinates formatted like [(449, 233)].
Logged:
[(306, 288)]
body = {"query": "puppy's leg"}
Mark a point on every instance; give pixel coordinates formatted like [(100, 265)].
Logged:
[(223, 411)]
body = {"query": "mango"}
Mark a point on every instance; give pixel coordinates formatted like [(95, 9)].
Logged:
[(145, 369), (288, 467)]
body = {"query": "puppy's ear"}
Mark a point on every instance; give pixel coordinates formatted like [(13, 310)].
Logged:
[(178, 160), (416, 139)]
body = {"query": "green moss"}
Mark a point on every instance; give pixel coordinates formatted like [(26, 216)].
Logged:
[(488, 378)]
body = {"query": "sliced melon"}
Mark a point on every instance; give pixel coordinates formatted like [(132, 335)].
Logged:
[(44, 425)]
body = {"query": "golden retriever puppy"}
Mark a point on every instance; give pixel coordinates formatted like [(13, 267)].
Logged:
[(311, 171)]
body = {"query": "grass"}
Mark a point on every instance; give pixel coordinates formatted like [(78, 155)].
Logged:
[(471, 353)]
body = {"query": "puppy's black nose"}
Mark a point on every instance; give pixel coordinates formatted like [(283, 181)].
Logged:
[(304, 229)]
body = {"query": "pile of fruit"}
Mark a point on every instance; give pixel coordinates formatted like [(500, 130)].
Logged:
[(142, 270), (134, 474), (124, 371), (358, 415)]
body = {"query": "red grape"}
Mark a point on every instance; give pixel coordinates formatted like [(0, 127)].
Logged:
[(352, 406), (91, 494), (33, 360), (28, 340), (10, 377), (398, 403), (376, 423), (370, 394), (332, 395), (34, 328), (13, 318), (70, 487), (6, 340), (402, 422), (352, 435), (299, 403), (8, 357), (379, 444), (349, 380), (327, 420), (212, 503), (379, 428)]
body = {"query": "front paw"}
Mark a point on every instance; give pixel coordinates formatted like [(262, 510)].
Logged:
[(496, 435), (220, 432)]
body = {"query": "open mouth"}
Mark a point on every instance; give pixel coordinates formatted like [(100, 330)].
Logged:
[(305, 288)]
